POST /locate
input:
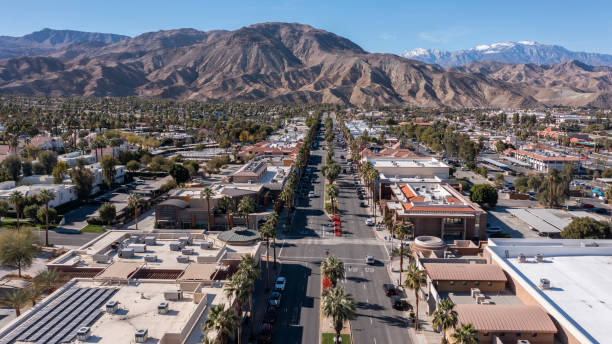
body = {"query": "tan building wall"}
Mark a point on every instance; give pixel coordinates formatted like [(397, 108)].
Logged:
[(465, 286)]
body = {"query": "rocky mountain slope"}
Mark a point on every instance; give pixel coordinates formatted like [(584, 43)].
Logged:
[(47, 41), (510, 52), (270, 61)]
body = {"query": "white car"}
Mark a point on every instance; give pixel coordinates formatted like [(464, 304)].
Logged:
[(369, 222), (370, 260), (280, 283), (311, 194)]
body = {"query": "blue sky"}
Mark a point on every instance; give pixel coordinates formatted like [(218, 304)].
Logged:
[(378, 26)]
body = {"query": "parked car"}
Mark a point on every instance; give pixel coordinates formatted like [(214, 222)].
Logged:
[(370, 260), (270, 315), (265, 335), (275, 299), (369, 222), (586, 205), (280, 283), (389, 289), (311, 194), (363, 205), (399, 303)]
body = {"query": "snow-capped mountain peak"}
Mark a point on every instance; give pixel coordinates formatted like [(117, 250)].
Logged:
[(509, 52)]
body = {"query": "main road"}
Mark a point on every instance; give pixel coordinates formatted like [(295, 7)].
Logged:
[(309, 241)]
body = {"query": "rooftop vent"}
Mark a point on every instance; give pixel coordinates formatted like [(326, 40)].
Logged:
[(173, 295), (141, 335), (112, 307), (544, 284), (83, 333), (162, 308), (522, 258), (539, 258)]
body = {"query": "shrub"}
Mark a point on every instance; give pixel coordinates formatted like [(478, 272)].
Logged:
[(31, 211), (94, 221), (41, 215)]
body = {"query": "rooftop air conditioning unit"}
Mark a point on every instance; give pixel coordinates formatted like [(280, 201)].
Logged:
[(151, 258), (126, 253), (83, 333), (141, 335), (544, 283), (187, 251), (150, 240), (522, 258), (176, 246), (162, 308), (182, 259), (539, 258), (112, 307), (186, 240), (522, 341)]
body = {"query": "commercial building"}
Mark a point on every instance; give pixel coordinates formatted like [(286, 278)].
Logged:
[(434, 209), (544, 161), (63, 193), (568, 279), (397, 168), (452, 277)]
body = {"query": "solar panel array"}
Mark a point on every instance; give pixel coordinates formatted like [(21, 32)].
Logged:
[(59, 322)]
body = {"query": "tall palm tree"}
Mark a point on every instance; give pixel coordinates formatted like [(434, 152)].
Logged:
[(250, 268), (32, 294), (222, 320), (333, 268), (15, 299), (340, 307), (46, 196), (207, 193), (265, 233), (273, 220), (466, 334), (401, 231), (228, 204), (16, 199), (373, 177), (134, 201), (445, 317), (245, 207), (332, 193), (238, 288), (415, 278)]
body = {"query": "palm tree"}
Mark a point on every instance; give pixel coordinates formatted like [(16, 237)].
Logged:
[(250, 268), (222, 320), (265, 233), (16, 199), (401, 231), (46, 196), (415, 278), (333, 268), (466, 334), (47, 279), (340, 307), (373, 177), (332, 193), (33, 293), (273, 220), (134, 201), (228, 204), (238, 288), (445, 317), (207, 193), (245, 207), (15, 299)]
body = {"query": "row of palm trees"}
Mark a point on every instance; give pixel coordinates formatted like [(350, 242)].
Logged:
[(44, 282), (18, 200), (239, 289), (336, 303)]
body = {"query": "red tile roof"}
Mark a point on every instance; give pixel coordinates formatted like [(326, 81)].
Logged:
[(464, 272)]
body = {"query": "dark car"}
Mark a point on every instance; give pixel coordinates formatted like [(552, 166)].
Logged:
[(604, 211), (587, 205), (270, 315), (362, 205), (389, 289), (399, 303), (265, 335)]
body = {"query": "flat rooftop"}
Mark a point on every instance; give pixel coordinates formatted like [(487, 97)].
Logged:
[(403, 163), (580, 275)]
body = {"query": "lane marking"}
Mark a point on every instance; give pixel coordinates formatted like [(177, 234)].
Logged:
[(281, 249)]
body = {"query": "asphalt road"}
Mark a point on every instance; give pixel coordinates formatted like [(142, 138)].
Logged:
[(308, 242)]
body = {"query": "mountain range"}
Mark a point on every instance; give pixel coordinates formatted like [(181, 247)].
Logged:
[(510, 52), (288, 62)]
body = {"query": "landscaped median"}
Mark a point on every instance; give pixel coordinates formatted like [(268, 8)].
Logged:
[(337, 307)]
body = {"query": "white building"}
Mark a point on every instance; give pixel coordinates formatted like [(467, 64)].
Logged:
[(71, 159), (63, 193)]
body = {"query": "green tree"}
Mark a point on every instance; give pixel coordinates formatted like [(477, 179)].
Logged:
[(484, 194), (401, 231), (30, 211), (45, 197), (415, 279), (245, 207), (48, 159), (445, 317), (228, 205), (331, 172), (587, 228), (179, 173), (521, 184), (250, 268), (12, 164), (4, 209), (18, 248), (499, 179), (554, 190), (107, 212), (339, 306), (26, 167), (207, 193), (134, 201), (265, 234), (222, 320), (466, 334), (82, 178), (333, 268), (332, 192), (108, 169), (132, 166), (15, 299), (238, 289), (47, 279), (59, 172), (17, 200)]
